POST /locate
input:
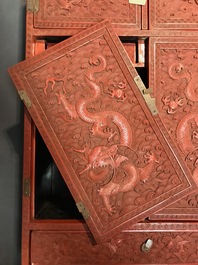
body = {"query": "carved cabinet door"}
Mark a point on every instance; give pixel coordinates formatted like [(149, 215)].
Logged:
[(74, 16), (175, 14), (174, 80), (103, 130)]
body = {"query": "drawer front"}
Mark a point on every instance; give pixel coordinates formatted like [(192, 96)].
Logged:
[(61, 248)]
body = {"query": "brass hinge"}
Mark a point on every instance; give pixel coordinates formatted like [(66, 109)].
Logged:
[(146, 94), (26, 187), (33, 6), (82, 209), (25, 98)]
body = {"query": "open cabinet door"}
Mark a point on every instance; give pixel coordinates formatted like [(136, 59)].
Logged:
[(102, 129)]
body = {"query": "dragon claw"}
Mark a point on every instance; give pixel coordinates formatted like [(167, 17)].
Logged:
[(112, 210)]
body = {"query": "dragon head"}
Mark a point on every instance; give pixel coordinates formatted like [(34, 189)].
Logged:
[(101, 156)]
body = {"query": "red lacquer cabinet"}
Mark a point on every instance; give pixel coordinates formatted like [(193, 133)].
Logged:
[(110, 132)]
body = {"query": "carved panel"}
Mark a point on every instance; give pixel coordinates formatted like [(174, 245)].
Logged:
[(177, 14), (174, 80), (111, 151), (145, 15), (81, 14), (58, 248)]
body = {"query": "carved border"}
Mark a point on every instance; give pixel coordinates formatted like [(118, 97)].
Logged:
[(41, 21), (156, 22), (168, 247), (145, 15)]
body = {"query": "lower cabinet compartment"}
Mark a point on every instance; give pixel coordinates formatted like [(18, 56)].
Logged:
[(76, 247)]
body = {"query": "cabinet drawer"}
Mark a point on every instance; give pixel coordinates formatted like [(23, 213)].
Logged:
[(60, 248)]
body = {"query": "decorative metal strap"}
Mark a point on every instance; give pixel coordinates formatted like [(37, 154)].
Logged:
[(146, 94)]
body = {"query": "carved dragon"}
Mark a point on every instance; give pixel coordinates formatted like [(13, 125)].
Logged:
[(69, 108), (184, 136), (178, 71), (187, 128), (68, 4), (172, 103), (53, 81), (99, 157), (118, 91), (105, 157), (100, 119), (187, 132), (109, 160), (132, 176)]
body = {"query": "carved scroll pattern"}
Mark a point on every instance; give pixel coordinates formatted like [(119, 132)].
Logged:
[(177, 14), (178, 11), (99, 122), (81, 13), (190, 201), (177, 101), (61, 248)]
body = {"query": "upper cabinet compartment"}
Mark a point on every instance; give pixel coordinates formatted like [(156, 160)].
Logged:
[(102, 128), (177, 14), (75, 15)]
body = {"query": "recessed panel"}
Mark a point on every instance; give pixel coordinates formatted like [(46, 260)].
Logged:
[(84, 13), (173, 77), (175, 14), (127, 248)]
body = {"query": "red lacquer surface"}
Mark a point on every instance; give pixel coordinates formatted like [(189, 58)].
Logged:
[(111, 151), (82, 14), (174, 80), (60, 248), (177, 14)]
